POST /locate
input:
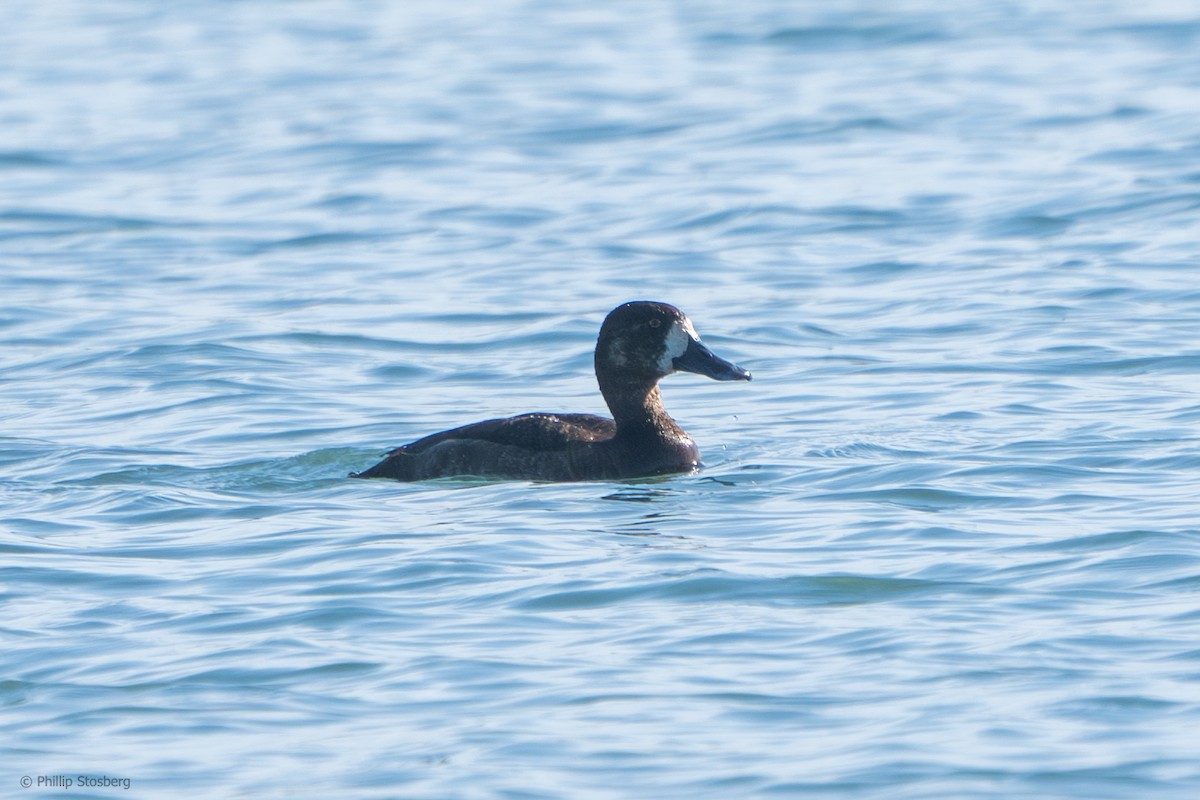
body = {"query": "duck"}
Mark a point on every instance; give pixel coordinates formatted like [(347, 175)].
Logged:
[(640, 343)]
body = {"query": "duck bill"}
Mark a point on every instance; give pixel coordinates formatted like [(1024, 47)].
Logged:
[(699, 359)]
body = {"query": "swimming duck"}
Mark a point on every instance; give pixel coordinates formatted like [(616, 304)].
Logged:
[(640, 343)]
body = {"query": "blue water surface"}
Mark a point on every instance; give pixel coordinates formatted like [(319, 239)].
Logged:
[(944, 545)]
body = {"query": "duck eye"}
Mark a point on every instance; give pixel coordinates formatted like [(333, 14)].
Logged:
[(654, 323)]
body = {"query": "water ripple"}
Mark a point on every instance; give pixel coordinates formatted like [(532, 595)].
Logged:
[(944, 545)]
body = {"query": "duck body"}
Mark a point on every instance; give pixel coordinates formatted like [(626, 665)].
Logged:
[(538, 446), (639, 343)]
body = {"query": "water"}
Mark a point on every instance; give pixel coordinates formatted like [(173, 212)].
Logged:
[(945, 544)]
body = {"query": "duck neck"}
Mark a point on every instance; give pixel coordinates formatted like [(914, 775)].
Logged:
[(638, 410)]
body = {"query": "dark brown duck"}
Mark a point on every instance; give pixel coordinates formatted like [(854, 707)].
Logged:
[(639, 344)]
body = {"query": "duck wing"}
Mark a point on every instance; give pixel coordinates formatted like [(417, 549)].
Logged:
[(537, 432)]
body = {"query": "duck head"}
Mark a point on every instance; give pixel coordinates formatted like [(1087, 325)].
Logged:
[(641, 342)]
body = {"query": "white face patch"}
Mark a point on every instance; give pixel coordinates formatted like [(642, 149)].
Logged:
[(677, 339)]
